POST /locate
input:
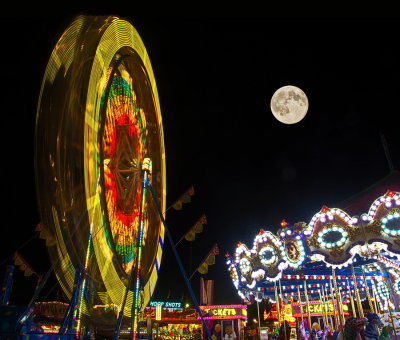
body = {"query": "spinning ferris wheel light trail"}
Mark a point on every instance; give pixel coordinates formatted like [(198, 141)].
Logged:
[(98, 124)]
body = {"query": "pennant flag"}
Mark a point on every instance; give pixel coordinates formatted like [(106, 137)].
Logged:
[(23, 265), (209, 260), (196, 229), (185, 198), (45, 234)]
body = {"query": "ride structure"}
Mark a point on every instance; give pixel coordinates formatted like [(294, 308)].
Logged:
[(99, 138), (100, 178), (333, 261)]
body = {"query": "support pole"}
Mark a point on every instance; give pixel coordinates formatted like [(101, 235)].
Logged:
[(353, 307), (146, 168), (388, 298), (189, 287), (338, 299), (324, 311), (7, 283), (374, 296), (334, 305), (278, 309), (359, 305), (29, 310), (308, 306), (300, 305), (283, 313), (259, 325), (325, 296), (371, 306), (69, 320)]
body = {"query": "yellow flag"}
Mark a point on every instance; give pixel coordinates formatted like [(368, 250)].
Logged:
[(45, 234), (196, 229), (185, 198), (190, 236), (177, 205), (203, 268), (23, 265), (209, 260)]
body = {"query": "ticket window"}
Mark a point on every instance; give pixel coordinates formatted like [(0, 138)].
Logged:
[(229, 331)]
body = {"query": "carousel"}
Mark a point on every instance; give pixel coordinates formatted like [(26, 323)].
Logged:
[(337, 275)]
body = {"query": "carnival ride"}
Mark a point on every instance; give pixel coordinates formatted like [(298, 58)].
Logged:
[(333, 260), (99, 141), (100, 179)]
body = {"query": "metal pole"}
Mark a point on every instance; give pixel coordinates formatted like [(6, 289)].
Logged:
[(283, 319), (259, 325), (324, 312), (277, 304), (300, 305), (338, 299), (388, 300), (308, 306), (146, 168), (353, 308), (371, 306), (333, 304), (359, 305)]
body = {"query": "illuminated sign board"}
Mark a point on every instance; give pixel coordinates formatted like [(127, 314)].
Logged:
[(316, 308), (224, 312), (165, 304)]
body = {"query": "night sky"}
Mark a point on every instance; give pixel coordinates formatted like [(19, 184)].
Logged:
[(215, 78)]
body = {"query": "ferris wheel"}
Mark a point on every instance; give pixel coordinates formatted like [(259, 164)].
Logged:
[(98, 124)]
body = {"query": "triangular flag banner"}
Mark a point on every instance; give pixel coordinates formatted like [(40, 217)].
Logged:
[(45, 234), (190, 236), (185, 198), (209, 260), (23, 265), (196, 229), (203, 268), (177, 205)]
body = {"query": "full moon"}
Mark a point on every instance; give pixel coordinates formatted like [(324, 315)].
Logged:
[(289, 104)]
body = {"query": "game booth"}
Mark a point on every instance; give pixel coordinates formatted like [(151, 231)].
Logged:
[(225, 321)]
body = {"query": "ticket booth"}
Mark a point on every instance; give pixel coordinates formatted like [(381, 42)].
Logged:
[(225, 321)]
